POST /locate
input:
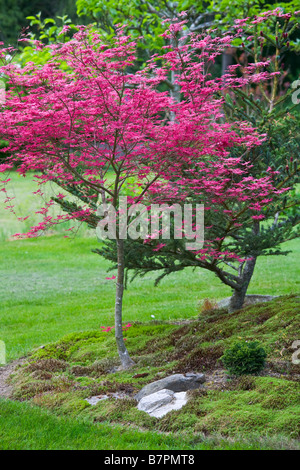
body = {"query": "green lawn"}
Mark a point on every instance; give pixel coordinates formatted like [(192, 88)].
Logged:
[(25, 427)]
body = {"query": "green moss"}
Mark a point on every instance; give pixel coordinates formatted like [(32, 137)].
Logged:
[(177, 421), (74, 406), (252, 410)]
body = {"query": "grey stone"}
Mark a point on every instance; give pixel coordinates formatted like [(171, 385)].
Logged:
[(175, 383), (160, 403)]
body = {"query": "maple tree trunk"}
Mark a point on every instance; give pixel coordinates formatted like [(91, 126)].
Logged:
[(126, 360), (238, 296)]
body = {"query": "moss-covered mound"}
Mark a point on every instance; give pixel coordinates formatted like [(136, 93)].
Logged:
[(61, 375)]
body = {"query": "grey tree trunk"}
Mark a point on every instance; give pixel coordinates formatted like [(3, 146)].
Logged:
[(175, 91), (245, 275), (126, 360), (227, 59), (238, 296)]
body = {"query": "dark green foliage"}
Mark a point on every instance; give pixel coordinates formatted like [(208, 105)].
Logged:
[(13, 15), (3, 154), (244, 358)]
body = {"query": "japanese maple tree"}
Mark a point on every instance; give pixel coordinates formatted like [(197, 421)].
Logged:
[(87, 123)]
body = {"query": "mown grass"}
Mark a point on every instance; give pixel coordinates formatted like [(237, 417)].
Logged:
[(27, 427)]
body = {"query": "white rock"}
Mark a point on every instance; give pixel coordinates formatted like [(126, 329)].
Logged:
[(155, 400), (160, 403)]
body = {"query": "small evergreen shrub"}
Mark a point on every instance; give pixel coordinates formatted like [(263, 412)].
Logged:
[(244, 358)]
